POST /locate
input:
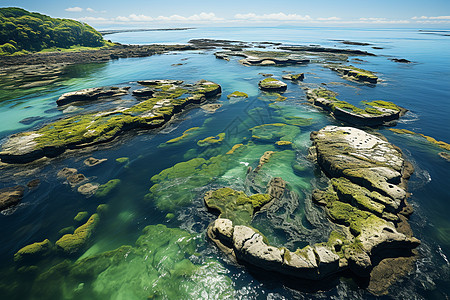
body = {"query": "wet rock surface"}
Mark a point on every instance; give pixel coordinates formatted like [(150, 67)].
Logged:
[(11, 196), (365, 201), (91, 94)]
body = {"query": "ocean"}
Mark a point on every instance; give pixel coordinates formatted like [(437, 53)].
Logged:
[(195, 268)]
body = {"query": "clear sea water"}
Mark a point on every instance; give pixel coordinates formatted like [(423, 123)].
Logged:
[(422, 87)]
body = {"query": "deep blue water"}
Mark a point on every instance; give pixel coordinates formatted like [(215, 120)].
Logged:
[(422, 87)]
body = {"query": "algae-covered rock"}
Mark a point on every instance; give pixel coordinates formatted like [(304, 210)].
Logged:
[(374, 113), (351, 72), (72, 243), (92, 161), (122, 160), (33, 251), (91, 94), (430, 139), (237, 94), (212, 140), (81, 216), (104, 189), (234, 205), (272, 85), (88, 189), (294, 77), (284, 144), (169, 98), (157, 267), (187, 133)]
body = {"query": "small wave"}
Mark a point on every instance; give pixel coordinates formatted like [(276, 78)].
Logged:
[(408, 118), (244, 163), (441, 253)]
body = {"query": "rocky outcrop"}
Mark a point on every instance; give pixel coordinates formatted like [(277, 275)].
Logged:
[(272, 85), (294, 77), (170, 97), (365, 200), (375, 113), (353, 73), (264, 58), (92, 94), (318, 49), (11, 196)]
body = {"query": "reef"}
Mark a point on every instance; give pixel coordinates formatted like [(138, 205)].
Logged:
[(365, 203), (161, 265), (105, 189), (33, 251), (272, 85), (353, 73), (170, 97), (186, 133), (92, 94), (314, 49), (272, 133), (375, 113), (294, 77), (264, 58), (430, 139), (212, 140)]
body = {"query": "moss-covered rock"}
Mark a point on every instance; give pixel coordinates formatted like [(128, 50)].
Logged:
[(72, 243), (237, 94), (351, 72), (81, 216), (33, 251), (272, 85), (430, 139), (373, 114), (187, 133), (104, 189), (234, 205), (212, 140), (294, 77), (170, 97)]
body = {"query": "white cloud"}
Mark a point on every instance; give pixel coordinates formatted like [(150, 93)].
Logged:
[(92, 19), (74, 9), (90, 10), (372, 19), (329, 19), (273, 17), (202, 17), (431, 18)]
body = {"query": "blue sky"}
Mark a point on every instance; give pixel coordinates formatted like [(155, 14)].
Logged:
[(153, 14)]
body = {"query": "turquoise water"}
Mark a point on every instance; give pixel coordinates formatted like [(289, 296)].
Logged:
[(422, 87)]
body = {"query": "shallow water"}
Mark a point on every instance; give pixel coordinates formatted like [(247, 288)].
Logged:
[(422, 87)]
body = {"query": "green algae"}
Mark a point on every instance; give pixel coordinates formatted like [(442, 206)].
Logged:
[(34, 250), (81, 216), (272, 84), (235, 205), (355, 73), (284, 144), (72, 243), (122, 160), (91, 128), (187, 133), (237, 94), (274, 132), (212, 140), (102, 208), (104, 189), (430, 139), (157, 267)]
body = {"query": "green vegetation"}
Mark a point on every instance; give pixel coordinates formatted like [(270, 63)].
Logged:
[(72, 243), (185, 134), (122, 160), (440, 144), (212, 140), (235, 205), (237, 94), (157, 267), (104, 189), (22, 31), (274, 132), (81, 216), (33, 250)]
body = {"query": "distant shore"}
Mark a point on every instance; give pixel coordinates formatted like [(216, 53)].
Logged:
[(113, 31)]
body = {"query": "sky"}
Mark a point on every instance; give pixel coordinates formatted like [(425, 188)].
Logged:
[(189, 13)]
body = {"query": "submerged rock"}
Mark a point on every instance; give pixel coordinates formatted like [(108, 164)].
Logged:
[(237, 94), (92, 161), (11, 196), (72, 243), (33, 251), (375, 113), (294, 77), (272, 85), (92, 94)]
